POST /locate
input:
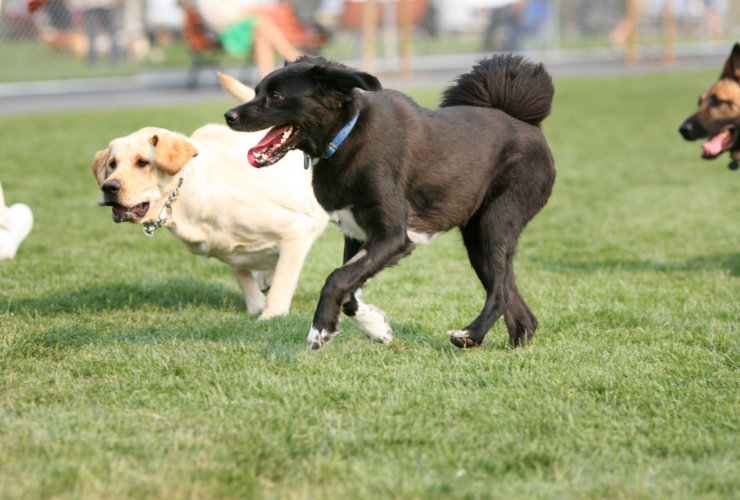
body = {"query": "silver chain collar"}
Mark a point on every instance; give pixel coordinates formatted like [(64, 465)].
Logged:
[(166, 211)]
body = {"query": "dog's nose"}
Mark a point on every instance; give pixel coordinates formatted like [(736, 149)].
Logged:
[(687, 130), (231, 117), (111, 188)]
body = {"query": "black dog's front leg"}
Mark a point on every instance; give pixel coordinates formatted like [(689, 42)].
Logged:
[(351, 247), (342, 284)]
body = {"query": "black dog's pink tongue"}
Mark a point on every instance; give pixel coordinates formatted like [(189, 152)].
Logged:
[(272, 137)]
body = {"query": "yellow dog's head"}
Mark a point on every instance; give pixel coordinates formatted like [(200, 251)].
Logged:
[(137, 170)]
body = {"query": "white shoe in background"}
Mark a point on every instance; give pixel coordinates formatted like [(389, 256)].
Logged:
[(17, 224)]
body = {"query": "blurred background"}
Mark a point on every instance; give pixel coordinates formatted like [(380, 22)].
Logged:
[(171, 43)]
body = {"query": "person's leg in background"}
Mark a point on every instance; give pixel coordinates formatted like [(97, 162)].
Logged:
[(108, 20), (269, 39), (714, 19), (15, 224), (91, 30)]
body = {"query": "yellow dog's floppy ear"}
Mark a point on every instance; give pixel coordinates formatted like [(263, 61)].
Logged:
[(101, 158), (171, 152), (237, 89)]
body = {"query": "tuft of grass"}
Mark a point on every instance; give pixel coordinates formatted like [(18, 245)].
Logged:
[(130, 368)]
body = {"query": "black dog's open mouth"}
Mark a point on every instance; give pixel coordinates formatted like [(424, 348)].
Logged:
[(273, 146), (720, 143), (133, 214)]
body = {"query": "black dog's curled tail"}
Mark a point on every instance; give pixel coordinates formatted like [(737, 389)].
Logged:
[(507, 82)]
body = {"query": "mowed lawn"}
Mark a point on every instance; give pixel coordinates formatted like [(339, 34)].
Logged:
[(130, 368)]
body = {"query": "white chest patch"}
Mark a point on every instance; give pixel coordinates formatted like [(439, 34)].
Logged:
[(347, 224), (420, 238)]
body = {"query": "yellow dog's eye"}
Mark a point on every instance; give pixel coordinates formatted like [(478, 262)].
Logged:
[(142, 163), (112, 165)]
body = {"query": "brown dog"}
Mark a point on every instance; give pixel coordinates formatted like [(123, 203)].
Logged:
[(718, 117)]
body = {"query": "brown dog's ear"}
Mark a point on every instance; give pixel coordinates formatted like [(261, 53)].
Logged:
[(732, 66), (171, 152), (101, 158)]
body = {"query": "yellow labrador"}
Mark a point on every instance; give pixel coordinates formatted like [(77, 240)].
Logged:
[(251, 219)]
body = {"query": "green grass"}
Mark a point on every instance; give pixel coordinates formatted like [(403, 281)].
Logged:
[(130, 368)]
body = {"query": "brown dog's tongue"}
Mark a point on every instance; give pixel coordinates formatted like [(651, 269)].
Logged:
[(715, 145)]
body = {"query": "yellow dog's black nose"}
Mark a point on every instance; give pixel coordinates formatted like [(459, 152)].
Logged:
[(111, 188)]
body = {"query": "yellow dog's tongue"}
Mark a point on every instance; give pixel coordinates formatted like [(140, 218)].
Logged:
[(716, 145)]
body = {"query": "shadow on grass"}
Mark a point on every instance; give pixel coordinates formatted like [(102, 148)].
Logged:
[(282, 338), (242, 329), (171, 294), (728, 262)]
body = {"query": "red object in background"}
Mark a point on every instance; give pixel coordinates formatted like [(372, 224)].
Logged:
[(199, 38), (34, 5)]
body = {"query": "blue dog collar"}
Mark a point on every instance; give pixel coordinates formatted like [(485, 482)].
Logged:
[(333, 145), (341, 136)]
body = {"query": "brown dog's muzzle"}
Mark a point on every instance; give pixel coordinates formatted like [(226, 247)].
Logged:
[(692, 130)]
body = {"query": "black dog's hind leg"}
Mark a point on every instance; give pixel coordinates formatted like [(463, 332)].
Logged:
[(520, 320), (344, 285), (490, 238)]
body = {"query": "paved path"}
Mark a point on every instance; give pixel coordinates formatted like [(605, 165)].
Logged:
[(84, 96)]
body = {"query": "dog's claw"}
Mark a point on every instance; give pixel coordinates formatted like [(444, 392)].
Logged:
[(460, 338)]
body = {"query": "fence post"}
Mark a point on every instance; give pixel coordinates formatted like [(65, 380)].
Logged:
[(406, 27), (390, 36), (669, 32), (633, 23), (369, 34), (553, 27)]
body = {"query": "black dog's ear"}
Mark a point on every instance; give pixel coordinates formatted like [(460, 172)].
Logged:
[(307, 59), (732, 66), (369, 82), (344, 79)]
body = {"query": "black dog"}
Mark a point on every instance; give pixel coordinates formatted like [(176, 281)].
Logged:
[(406, 174), (718, 116)]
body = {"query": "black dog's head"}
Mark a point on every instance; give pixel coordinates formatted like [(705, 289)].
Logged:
[(718, 117), (304, 104)]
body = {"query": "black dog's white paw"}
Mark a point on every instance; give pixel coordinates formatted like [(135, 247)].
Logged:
[(373, 323), (318, 339), (461, 339)]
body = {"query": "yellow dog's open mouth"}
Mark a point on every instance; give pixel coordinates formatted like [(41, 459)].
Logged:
[(720, 143), (131, 214)]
